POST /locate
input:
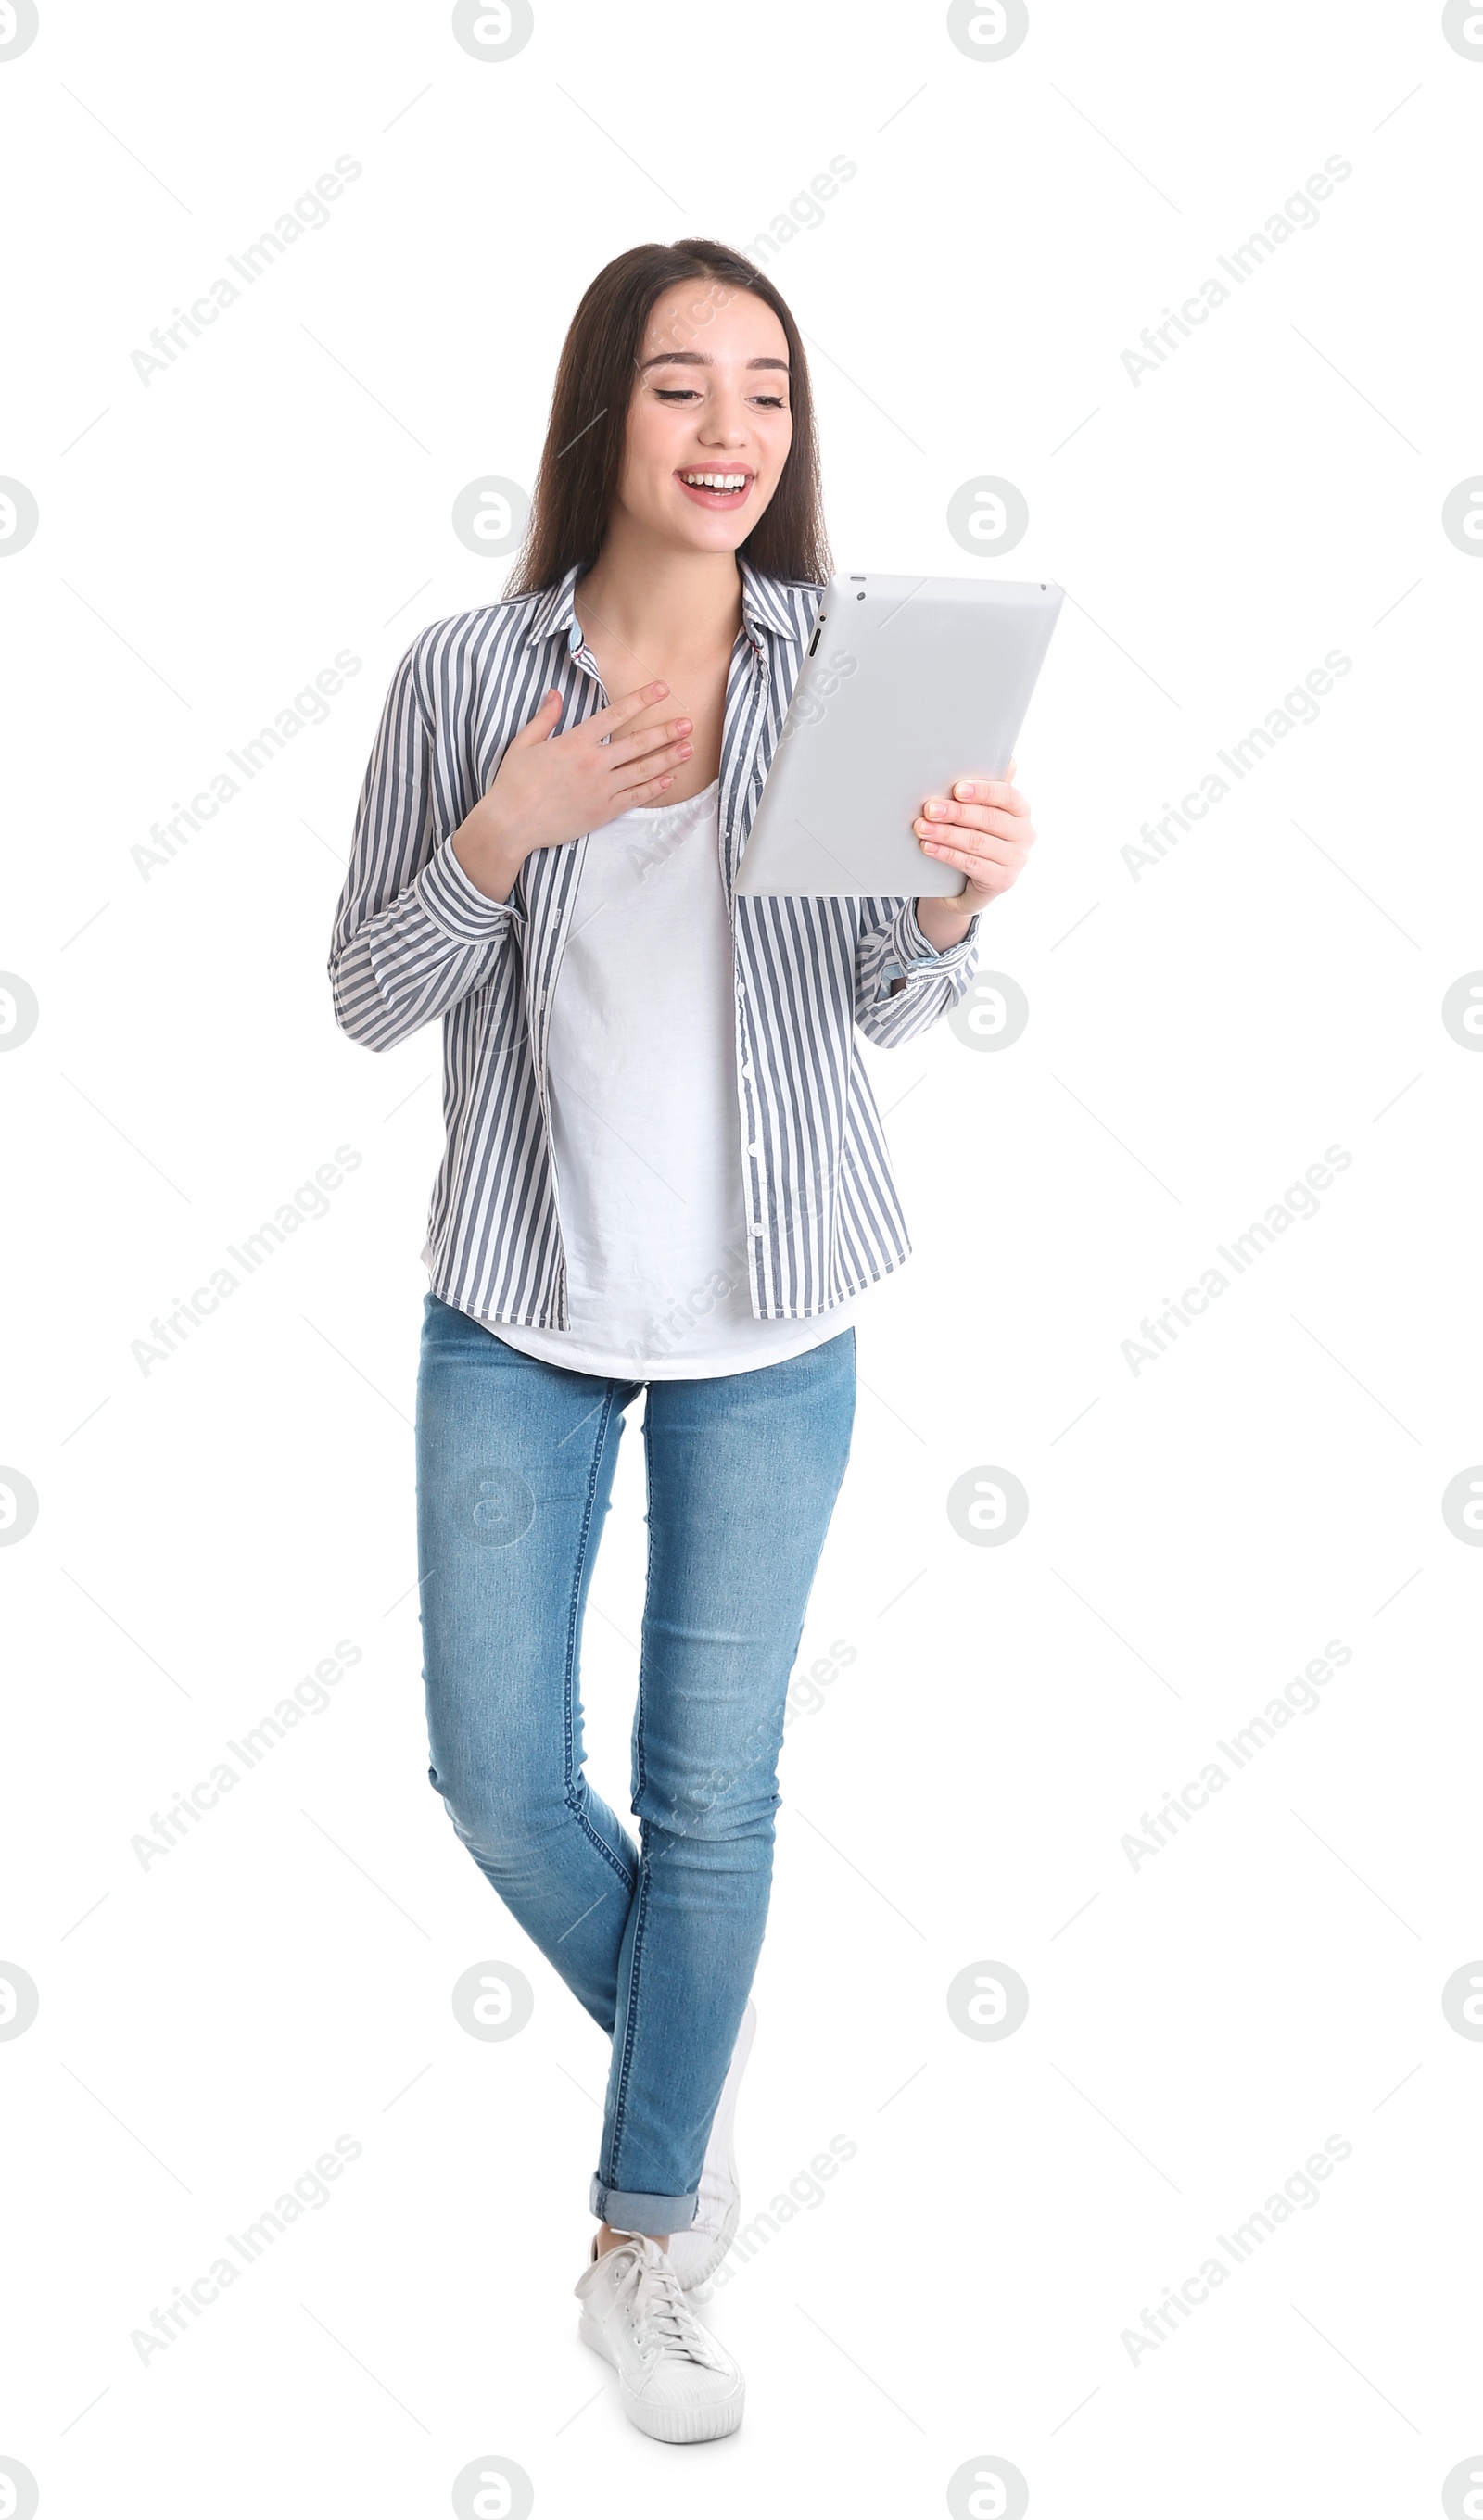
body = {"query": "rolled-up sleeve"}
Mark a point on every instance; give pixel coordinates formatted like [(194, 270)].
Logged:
[(413, 933), (891, 947)]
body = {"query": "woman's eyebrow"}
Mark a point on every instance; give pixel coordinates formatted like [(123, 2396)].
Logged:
[(700, 359)]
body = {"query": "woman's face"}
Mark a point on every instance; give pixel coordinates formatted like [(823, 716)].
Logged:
[(710, 397)]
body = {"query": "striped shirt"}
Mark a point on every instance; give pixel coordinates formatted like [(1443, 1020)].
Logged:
[(415, 938)]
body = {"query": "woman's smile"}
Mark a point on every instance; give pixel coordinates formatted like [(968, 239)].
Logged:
[(720, 485)]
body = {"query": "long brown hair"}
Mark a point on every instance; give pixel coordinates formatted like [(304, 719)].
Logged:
[(582, 459)]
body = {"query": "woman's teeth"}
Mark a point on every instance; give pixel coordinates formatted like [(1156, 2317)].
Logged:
[(715, 480)]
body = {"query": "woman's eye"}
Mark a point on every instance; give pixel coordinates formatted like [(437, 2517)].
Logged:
[(688, 393)]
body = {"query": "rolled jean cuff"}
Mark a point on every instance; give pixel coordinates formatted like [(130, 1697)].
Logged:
[(623, 2210)]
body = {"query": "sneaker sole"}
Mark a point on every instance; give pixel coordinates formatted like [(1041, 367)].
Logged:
[(698, 2423)]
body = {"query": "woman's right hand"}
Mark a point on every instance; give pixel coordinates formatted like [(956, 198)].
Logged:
[(552, 787)]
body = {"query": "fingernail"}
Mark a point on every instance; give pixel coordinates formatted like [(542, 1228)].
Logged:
[(964, 788)]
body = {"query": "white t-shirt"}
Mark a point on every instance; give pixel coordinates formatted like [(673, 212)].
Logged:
[(641, 1074)]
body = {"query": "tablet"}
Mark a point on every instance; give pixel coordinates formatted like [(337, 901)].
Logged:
[(909, 684)]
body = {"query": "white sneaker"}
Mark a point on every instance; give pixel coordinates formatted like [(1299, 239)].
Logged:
[(677, 2383), (695, 2253)]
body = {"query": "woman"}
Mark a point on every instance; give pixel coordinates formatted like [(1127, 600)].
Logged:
[(664, 1174)]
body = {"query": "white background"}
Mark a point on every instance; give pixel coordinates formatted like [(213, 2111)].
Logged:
[(1197, 1530)]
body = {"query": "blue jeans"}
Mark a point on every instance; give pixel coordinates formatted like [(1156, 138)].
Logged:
[(658, 1940)]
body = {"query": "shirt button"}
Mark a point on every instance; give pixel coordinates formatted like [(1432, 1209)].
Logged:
[(574, 638), (755, 1149), (747, 1070)]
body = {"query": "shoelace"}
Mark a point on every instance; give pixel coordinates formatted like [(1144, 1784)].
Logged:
[(662, 2322)]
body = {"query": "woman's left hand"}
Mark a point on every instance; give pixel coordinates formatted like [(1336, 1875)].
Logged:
[(983, 827)]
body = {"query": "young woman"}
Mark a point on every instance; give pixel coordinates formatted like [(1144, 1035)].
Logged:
[(664, 1174)]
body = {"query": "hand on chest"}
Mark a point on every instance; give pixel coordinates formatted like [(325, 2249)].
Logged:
[(697, 690)]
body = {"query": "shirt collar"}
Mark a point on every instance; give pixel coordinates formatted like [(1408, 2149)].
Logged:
[(556, 613), (764, 604), (764, 607)]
